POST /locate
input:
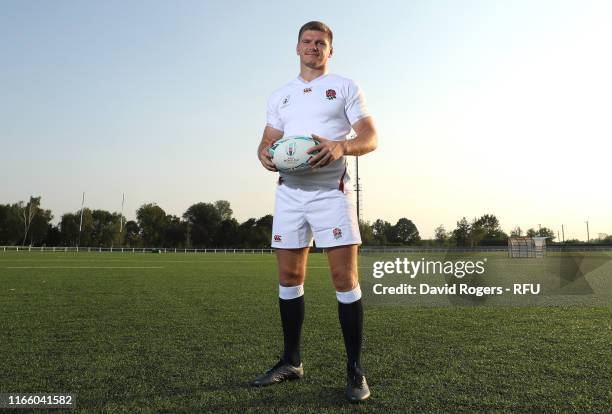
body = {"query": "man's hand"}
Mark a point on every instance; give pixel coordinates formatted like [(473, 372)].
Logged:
[(266, 159), (270, 136), (328, 151)]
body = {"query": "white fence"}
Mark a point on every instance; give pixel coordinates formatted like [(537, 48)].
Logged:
[(393, 249), (129, 250), (363, 250), (477, 249)]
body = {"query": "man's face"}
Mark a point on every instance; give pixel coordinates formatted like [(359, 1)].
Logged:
[(314, 49)]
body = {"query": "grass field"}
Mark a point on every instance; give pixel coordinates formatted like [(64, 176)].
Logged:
[(186, 333)]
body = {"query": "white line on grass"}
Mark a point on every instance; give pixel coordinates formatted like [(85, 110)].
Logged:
[(131, 260), (84, 267)]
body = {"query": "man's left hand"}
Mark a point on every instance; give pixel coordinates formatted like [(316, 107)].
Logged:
[(328, 151)]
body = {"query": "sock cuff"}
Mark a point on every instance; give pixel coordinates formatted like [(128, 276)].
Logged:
[(350, 296), (290, 292)]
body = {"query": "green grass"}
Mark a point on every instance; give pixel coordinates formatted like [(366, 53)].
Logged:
[(189, 332)]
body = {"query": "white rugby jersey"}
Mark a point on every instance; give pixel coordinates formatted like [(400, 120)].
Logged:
[(326, 106)]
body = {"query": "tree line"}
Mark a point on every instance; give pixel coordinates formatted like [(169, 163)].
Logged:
[(203, 225), (212, 225)]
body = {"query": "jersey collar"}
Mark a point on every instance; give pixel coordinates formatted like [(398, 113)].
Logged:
[(301, 80)]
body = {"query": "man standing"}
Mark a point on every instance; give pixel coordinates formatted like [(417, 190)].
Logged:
[(318, 202)]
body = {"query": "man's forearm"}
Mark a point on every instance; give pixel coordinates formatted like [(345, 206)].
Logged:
[(365, 142)]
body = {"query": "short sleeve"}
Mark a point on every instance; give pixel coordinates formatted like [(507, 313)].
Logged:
[(272, 116), (355, 106)]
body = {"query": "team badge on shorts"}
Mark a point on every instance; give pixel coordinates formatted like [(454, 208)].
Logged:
[(277, 238), (337, 233), (330, 94)]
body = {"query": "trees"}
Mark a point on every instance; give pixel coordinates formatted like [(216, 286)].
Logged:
[(490, 225), (440, 235), (223, 207), (69, 228), (39, 226), (175, 232), (384, 232), (152, 223), (484, 230), (245, 230), (87, 228), (516, 232), (204, 220), (53, 236), (228, 234), (542, 232), (367, 234), (406, 232), (461, 235), (10, 224), (263, 232), (22, 223), (548, 233), (256, 233), (132, 236), (211, 225), (27, 213), (379, 228), (476, 233), (105, 228)]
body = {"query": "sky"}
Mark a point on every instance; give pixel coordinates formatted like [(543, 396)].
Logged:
[(481, 106)]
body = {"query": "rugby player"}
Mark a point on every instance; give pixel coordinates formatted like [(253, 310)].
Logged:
[(318, 202)]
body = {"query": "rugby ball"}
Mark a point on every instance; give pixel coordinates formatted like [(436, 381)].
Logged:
[(289, 154)]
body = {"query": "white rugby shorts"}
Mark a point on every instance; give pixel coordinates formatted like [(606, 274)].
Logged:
[(327, 214)]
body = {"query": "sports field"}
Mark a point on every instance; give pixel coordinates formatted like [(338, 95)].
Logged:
[(187, 332)]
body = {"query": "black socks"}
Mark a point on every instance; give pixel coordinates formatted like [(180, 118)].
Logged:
[(351, 321), (292, 317)]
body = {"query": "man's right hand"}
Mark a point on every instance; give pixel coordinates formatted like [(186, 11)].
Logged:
[(270, 136), (266, 159)]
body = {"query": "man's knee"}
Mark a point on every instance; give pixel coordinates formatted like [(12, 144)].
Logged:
[(344, 280), (290, 277)]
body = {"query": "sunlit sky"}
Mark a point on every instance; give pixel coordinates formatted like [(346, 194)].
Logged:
[(481, 106)]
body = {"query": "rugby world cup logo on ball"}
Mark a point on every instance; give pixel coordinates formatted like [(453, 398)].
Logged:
[(291, 149), (290, 154)]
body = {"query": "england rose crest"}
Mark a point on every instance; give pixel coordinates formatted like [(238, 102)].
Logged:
[(337, 233), (330, 94)]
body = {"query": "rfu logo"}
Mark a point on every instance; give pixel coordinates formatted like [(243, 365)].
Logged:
[(277, 238), (330, 94), (291, 149)]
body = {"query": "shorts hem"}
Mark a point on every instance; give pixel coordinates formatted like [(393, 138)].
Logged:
[(343, 243), (292, 246)]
